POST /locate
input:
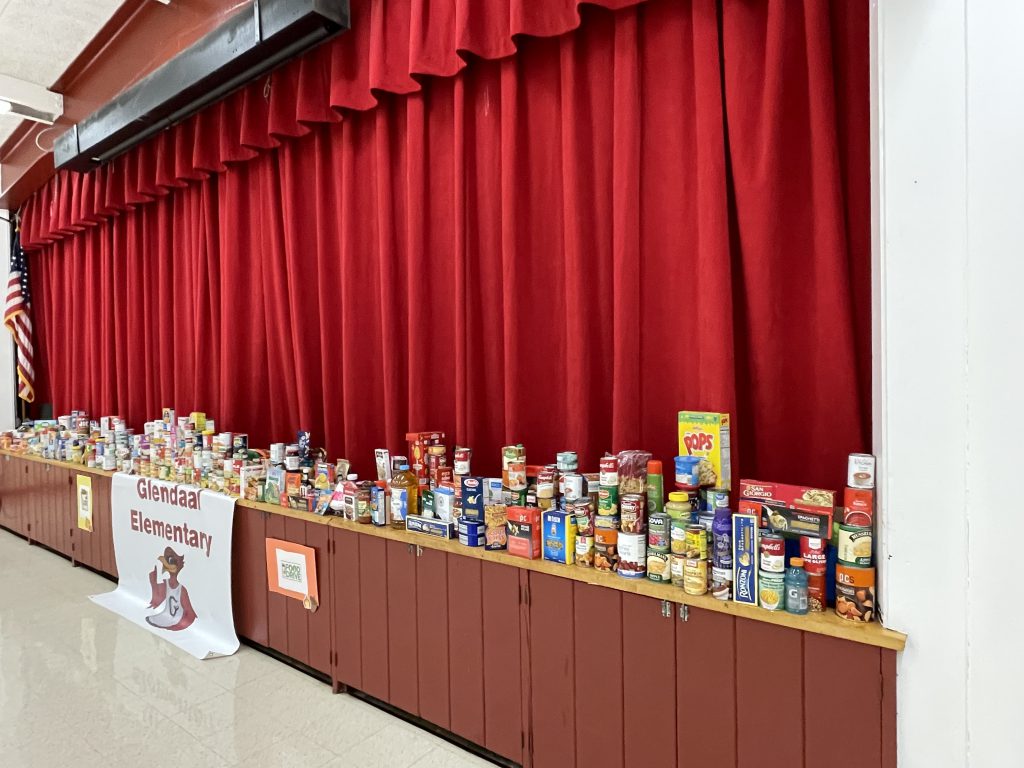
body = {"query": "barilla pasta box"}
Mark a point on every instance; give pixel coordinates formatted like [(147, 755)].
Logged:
[(793, 510), (745, 533), (524, 532), (559, 536), (472, 498), (707, 435)]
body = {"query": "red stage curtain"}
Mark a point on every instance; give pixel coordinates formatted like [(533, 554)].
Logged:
[(660, 210)]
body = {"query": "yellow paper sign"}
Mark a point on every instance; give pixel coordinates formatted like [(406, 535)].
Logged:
[(84, 497)]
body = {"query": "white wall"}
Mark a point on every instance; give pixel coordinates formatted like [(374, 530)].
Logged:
[(7, 389), (949, 364)]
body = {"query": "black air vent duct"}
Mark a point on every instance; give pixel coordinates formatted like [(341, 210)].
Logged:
[(247, 45)]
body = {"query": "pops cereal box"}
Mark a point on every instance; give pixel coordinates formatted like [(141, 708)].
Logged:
[(707, 435)]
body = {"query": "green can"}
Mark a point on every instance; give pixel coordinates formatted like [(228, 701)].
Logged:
[(608, 500), (771, 591), (677, 535)]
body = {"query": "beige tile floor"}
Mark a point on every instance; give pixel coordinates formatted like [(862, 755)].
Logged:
[(80, 686)]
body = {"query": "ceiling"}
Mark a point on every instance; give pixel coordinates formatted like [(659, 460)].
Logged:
[(40, 38)]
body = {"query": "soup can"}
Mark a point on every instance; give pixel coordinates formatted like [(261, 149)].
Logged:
[(854, 545), (772, 590), (696, 542), (585, 551), (773, 554), (855, 593), (721, 583), (632, 510), (632, 555), (659, 532), (677, 565), (695, 576), (659, 566), (609, 474), (573, 486)]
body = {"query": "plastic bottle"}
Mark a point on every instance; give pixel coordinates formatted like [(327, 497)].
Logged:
[(796, 586), (404, 496), (721, 538)]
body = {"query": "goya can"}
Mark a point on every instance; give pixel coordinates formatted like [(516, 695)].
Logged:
[(677, 565), (696, 542), (773, 553), (772, 590), (659, 566), (695, 576), (659, 532), (632, 511), (855, 593), (854, 545), (632, 555)]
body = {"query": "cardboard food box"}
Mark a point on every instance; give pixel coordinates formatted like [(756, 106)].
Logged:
[(523, 528), (472, 533), (430, 526), (745, 534), (790, 510), (707, 435), (472, 498), (495, 524), (444, 502), (559, 536)]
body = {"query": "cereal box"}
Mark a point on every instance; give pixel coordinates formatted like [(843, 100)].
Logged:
[(707, 435)]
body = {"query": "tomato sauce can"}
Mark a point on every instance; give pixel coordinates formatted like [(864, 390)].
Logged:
[(633, 512), (659, 566), (773, 554), (855, 593), (659, 532), (695, 576), (858, 506), (632, 555), (696, 542)]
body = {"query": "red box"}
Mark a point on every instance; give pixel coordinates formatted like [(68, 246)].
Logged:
[(757, 497), (523, 528), (418, 442)]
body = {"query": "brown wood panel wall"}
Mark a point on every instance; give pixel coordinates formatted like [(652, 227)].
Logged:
[(599, 675)]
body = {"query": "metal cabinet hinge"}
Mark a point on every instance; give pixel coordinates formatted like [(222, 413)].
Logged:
[(684, 612), (666, 609)]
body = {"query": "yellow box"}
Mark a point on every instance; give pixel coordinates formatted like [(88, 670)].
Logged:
[(707, 435)]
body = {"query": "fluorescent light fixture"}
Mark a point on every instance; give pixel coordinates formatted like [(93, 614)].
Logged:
[(29, 101)]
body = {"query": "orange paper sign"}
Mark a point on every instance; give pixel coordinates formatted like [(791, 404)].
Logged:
[(291, 571)]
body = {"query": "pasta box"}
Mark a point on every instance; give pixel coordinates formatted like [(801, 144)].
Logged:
[(794, 510), (559, 536), (523, 528), (444, 502), (745, 533), (495, 525), (430, 526), (492, 491), (706, 435), (473, 498)]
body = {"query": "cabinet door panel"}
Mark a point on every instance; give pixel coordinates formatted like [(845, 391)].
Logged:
[(373, 611), (598, 654), (401, 605), (503, 699), (345, 578), (432, 636), (552, 670), (648, 682), (466, 630)]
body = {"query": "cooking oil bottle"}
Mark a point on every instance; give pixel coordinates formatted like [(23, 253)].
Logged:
[(405, 488)]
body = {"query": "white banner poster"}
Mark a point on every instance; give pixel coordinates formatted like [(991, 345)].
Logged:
[(172, 544)]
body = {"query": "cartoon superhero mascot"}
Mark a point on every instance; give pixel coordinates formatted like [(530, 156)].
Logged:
[(177, 613)]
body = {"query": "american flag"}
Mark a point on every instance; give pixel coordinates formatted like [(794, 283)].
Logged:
[(18, 319)]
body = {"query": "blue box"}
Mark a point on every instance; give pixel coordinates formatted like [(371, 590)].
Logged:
[(745, 534), (430, 526), (473, 498), (472, 533), (559, 536)]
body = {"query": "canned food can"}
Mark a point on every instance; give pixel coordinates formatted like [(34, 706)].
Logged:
[(816, 599), (718, 498), (606, 522), (606, 557), (585, 551), (659, 532), (517, 478), (567, 461), (772, 590), (721, 583), (861, 470), (573, 487), (607, 499), (677, 535), (812, 550), (695, 576), (546, 481), (855, 593), (854, 545), (696, 542), (632, 555), (462, 458), (633, 511), (609, 474), (677, 564), (773, 554), (659, 567)]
